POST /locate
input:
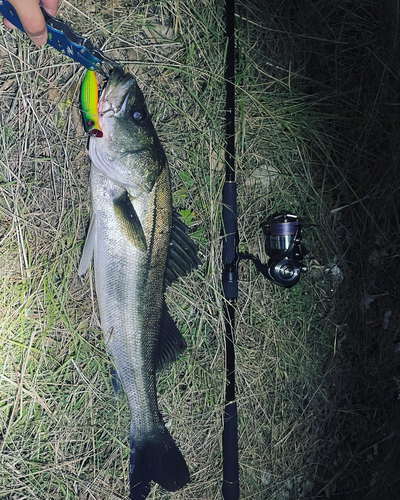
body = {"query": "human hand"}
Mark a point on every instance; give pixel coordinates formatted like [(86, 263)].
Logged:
[(32, 18)]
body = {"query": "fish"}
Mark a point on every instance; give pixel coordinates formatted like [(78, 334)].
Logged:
[(140, 246)]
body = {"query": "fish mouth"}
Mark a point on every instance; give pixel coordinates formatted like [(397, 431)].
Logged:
[(116, 92)]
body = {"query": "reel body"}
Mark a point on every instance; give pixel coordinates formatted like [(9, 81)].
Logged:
[(285, 249)]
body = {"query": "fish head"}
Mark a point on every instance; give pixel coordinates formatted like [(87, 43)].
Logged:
[(129, 152)]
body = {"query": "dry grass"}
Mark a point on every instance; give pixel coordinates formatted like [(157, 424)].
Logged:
[(317, 374)]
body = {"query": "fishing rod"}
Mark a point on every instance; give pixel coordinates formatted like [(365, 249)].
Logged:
[(283, 245), (230, 258)]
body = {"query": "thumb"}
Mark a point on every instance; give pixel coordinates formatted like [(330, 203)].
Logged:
[(32, 20), (38, 37)]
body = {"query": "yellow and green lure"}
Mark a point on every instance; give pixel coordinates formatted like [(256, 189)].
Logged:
[(89, 101)]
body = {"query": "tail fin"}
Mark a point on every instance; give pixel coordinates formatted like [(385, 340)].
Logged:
[(158, 459)]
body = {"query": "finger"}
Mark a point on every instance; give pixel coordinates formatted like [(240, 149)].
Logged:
[(32, 20), (7, 24), (51, 6)]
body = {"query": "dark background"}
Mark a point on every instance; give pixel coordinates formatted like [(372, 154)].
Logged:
[(349, 52)]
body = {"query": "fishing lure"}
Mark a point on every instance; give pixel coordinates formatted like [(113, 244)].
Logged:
[(89, 101)]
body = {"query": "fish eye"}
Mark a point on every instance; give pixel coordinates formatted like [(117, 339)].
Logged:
[(138, 113)]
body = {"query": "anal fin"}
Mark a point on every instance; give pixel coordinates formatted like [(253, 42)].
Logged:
[(116, 381)]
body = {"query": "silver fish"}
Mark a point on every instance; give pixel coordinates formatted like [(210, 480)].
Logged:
[(139, 247)]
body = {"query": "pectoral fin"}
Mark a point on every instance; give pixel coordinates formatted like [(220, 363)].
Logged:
[(88, 247), (129, 221)]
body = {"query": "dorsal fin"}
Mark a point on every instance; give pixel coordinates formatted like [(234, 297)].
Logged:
[(170, 346), (171, 343), (182, 253)]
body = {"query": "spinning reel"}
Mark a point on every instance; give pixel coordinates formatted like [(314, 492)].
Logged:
[(285, 249)]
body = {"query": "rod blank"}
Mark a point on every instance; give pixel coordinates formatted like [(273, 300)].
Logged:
[(230, 487)]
